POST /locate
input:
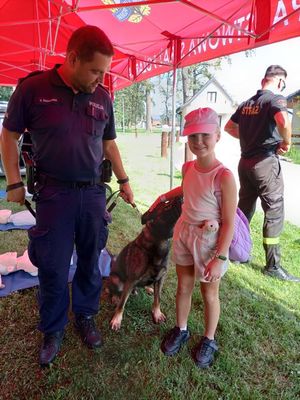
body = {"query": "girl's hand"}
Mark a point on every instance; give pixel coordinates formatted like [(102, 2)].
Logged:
[(213, 270), (159, 200)]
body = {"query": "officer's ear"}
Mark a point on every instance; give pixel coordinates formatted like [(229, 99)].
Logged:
[(72, 58)]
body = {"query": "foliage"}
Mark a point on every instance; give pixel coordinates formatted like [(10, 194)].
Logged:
[(192, 78), (5, 93), (258, 334), (190, 81), (130, 104), (294, 154), (132, 107), (165, 89)]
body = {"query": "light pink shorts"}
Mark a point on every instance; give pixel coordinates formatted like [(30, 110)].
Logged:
[(195, 245)]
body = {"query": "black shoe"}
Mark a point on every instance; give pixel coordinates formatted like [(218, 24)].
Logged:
[(88, 331), (204, 352), (50, 347), (173, 341), (280, 273)]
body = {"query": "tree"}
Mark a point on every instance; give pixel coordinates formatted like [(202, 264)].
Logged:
[(148, 89), (192, 78), (5, 93), (165, 89), (133, 105)]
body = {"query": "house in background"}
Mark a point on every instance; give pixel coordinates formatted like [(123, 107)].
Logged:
[(212, 95)]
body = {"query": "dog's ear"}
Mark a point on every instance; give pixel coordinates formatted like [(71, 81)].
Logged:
[(148, 216), (145, 217)]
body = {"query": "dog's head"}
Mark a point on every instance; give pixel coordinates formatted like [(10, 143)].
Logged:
[(162, 219)]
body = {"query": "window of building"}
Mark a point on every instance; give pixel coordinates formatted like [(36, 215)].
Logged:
[(212, 97)]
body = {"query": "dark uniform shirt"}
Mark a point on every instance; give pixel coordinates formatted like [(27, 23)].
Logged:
[(67, 129), (257, 126)]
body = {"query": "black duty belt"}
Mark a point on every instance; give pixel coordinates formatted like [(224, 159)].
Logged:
[(260, 155), (49, 181)]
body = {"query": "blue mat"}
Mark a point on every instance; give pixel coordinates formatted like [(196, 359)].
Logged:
[(22, 280), (10, 227)]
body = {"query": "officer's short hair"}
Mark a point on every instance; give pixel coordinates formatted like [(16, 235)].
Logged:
[(275, 70), (89, 39)]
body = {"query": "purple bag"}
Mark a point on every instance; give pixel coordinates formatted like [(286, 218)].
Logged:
[(241, 245)]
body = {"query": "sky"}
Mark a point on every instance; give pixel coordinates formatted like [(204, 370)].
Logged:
[(242, 78)]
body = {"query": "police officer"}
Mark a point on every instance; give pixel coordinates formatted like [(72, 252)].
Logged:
[(263, 127), (70, 117)]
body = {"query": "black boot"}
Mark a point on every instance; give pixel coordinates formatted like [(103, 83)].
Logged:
[(50, 347), (280, 273), (90, 335)]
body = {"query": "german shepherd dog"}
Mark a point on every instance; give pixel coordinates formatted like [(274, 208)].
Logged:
[(144, 261)]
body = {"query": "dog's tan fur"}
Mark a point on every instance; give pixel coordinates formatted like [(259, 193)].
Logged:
[(144, 261)]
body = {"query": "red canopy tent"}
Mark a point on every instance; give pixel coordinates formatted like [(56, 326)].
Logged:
[(150, 36)]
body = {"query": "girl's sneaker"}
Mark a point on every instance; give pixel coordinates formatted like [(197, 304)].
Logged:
[(203, 353), (173, 341)]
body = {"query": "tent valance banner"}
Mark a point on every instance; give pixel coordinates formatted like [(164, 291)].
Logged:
[(150, 36)]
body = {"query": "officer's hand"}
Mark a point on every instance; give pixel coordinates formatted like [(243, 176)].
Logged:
[(126, 193), (283, 148), (16, 196)]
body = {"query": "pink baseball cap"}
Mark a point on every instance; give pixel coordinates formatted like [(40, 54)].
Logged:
[(202, 120)]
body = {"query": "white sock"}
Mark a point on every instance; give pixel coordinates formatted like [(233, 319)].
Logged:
[(184, 328)]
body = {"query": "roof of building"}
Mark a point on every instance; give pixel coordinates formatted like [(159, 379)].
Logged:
[(210, 81)]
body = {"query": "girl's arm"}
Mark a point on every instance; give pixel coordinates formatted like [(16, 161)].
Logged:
[(167, 196), (228, 210)]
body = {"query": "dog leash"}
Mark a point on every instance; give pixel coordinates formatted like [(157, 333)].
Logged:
[(112, 200), (29, 208)]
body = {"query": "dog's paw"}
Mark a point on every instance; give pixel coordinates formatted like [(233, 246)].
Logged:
[(116, 321), (158, 317)]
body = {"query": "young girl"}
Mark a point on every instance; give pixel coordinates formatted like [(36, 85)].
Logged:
[(202, 235)]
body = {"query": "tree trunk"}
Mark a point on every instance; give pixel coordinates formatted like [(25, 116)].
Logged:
[(164, 144), (148, 111), (185, 84)]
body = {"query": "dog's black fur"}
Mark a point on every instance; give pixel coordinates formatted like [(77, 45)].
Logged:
[(144, 261)]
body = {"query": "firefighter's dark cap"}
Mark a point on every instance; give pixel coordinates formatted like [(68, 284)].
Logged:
[(275, 70)]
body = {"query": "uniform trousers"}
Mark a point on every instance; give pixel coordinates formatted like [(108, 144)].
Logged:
[(261, 177), (67, 217)]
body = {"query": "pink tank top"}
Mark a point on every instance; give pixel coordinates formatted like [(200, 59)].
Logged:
[(200, 202)]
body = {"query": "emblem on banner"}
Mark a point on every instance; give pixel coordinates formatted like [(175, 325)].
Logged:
[(130, 14)]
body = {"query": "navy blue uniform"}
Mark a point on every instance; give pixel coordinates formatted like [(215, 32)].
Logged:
[(259, 169), (67, 131)]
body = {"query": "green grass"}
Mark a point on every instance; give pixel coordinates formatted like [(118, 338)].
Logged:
[(294, 154), (258, 333)]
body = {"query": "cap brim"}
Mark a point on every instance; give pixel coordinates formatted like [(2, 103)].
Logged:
[(199, 128)]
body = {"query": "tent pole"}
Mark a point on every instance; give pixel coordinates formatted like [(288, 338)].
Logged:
[(173, 132)]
